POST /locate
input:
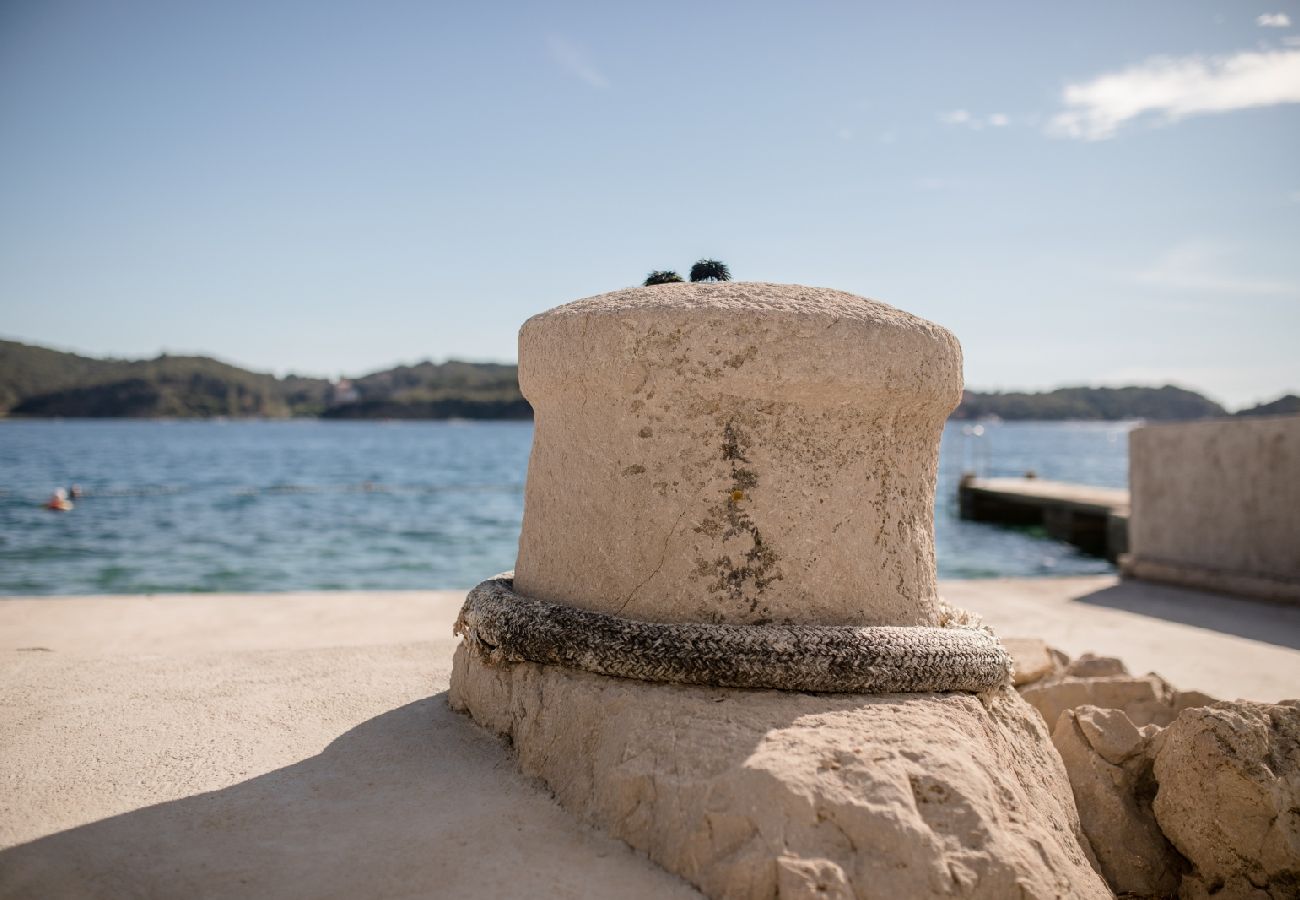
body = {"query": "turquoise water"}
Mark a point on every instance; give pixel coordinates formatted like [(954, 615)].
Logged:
[(263, 506)]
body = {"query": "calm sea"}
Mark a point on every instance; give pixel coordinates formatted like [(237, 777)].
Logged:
[(266, 506)]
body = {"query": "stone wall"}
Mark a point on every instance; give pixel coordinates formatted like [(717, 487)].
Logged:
[(1216, 505)]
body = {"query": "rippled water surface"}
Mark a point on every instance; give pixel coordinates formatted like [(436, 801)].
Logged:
[(259, 506)]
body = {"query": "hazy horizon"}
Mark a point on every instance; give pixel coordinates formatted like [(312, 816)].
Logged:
[(335, 376), (1103, 196)]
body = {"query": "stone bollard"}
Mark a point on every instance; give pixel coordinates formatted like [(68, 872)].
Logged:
[(723, 477), (741, 453)]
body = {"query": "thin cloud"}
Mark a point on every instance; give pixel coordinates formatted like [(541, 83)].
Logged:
[(1200, 266), (569, 57), (966, 118), (1274, 20), (1174, 88)]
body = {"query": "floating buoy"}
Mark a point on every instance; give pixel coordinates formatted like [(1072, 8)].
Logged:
[(59, 501)]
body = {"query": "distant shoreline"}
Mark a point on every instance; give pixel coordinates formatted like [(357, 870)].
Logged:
[(954, 419), (40, 383)]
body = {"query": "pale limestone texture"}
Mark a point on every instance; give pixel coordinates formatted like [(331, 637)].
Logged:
[(1090, 665), (1229, 798), (1108, 761), (1033, 659), (735, 452), (1208, 806), (759, 794), (1104, 681), (1216, 505)]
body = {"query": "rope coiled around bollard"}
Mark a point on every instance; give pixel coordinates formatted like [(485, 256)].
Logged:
[(506, 627)]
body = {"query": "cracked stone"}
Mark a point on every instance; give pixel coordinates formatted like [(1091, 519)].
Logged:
[(1229, 798), (1110, 771), (759, 794)]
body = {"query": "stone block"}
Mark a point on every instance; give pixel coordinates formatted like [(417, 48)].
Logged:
[(760, 794)]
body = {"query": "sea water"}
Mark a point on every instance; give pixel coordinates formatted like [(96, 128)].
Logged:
[(307, 505)]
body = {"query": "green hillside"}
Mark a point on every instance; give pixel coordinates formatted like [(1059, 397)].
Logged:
[(1166, 403), (428, 381), (35, 381), (39, 382), (26, 371), (1282, 406)]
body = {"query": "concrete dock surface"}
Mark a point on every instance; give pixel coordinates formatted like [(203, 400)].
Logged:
[(300, 745), (1094, 519), (1046, 491)]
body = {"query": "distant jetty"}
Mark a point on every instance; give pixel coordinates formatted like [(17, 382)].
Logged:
[(1094, 519)]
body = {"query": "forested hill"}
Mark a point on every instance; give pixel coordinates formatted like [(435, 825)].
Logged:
[(1166, 403), (39, 382), (1286, 405), (35, 381)]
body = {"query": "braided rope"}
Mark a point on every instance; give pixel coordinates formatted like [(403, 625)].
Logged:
[(506, 627)]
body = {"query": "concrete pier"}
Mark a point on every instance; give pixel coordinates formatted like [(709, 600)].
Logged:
[(227, 746), (1094, 519)]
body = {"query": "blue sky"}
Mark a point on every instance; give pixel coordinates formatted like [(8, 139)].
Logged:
[(1099, 193)]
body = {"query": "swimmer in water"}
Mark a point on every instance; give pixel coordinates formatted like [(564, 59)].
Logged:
[(59, 502)]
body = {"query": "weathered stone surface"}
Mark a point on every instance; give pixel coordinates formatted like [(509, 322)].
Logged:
[(735, 452), (1146, 699), (1229, 798), (1109, 766), (1089, 665), (811, 879), (746, 454), (751, 793), (1105, 682), (1191, 700), (1034, 660)]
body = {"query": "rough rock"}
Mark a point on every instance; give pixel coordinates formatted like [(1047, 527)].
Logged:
[(1229, 798), (1110, 769), (1147, 699), (735, 452), (1089, 665), (1034, 660), (759, 794), (1191, 700), (1105, 682)]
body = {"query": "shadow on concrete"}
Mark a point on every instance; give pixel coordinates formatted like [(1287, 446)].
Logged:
[(415, 802), (1270, 623)]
